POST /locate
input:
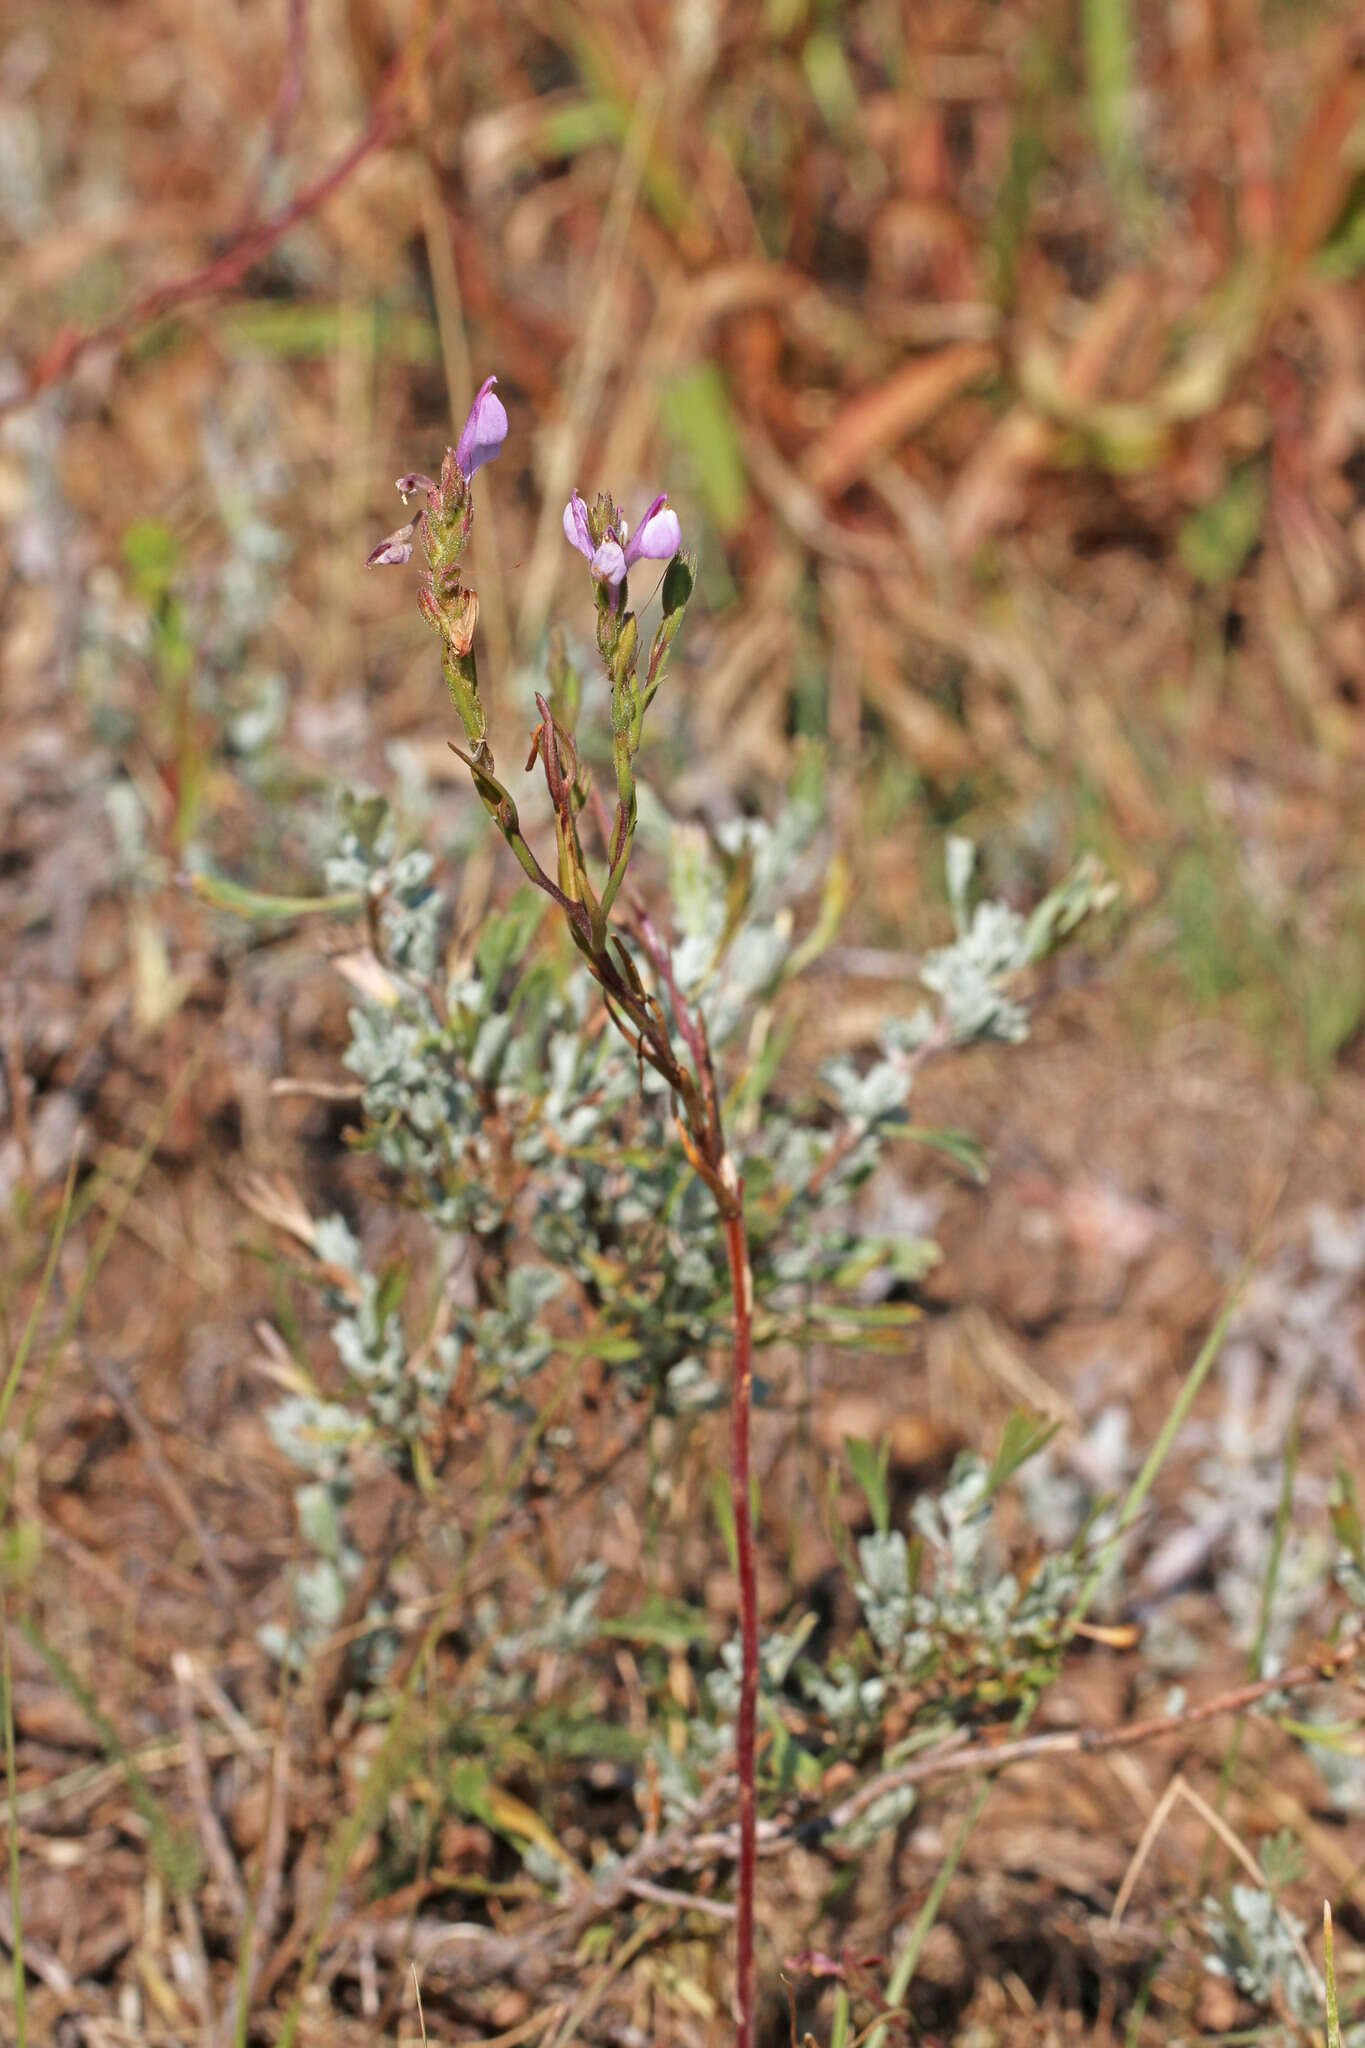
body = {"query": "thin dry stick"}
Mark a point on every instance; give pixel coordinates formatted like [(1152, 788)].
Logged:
[(1180, 1788), (247, 247), (288, 100), (217, 1852), (992, 1756), (116, 1382), (686, 1902), (694, 1843), (1156, 1821)]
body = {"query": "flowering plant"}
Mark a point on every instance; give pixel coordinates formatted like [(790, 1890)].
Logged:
[(663, 1030), (433, 1082)]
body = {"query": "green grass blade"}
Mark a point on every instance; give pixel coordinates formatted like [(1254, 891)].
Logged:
[(25, 1344), (1108, 35), (1256, 1660), (381, 1781), (221, 894), (907, 1962), (1161, 1449), (75, 1308), (175, 1853), (16, 1901)]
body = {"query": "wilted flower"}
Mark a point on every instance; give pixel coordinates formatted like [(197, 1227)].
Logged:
[(657, 538), (395, 547)]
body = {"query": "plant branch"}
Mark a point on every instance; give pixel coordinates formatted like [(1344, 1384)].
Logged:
[(254, 239)]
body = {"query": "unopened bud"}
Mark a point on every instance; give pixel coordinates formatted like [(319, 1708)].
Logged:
[(427, 605), (454, 484), (623, 650)]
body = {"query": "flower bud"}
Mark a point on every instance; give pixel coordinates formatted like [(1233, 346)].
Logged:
[(427, 605), (678, 583)]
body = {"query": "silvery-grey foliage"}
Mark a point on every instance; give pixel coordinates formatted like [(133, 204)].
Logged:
[(945, 1623), (1258, 1944), (532, 1138), (964, 1612)]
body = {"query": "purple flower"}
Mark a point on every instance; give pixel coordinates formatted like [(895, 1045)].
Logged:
[(576, 529), (657, 538), (483, 433), (481, 438)]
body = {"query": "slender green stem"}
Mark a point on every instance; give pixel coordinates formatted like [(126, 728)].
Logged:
[(907, 1962), (25, 1344), (15, 1896), (352, 1830), (1160, 1451)]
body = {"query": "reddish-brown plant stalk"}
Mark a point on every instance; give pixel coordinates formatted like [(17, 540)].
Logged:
[(639, 1014), (641, 1020)]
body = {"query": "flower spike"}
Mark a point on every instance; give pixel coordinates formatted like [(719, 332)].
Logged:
[(606, 543), (442, 526)]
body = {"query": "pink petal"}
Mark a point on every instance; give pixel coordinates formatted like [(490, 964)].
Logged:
[(609, 563), (576, 530), (396, 548), (658, 536), (483, 433)]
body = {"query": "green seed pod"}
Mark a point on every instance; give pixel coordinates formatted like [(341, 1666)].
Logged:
[(678, 584)]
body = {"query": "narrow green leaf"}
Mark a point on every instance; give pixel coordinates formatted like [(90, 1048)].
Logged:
[(15, 1894), (1108, 36), (222, 894), (870, 1465), (697, 416), (1214, 542), (1161, 1449), (667, 1624), (959, 1146), (1022, 1438)]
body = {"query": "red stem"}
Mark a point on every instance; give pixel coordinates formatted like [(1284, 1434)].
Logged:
[(251, 241), (741, 1493)]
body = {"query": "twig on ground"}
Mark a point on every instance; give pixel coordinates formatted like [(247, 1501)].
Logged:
[(217, 1852), (116, 1382)]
